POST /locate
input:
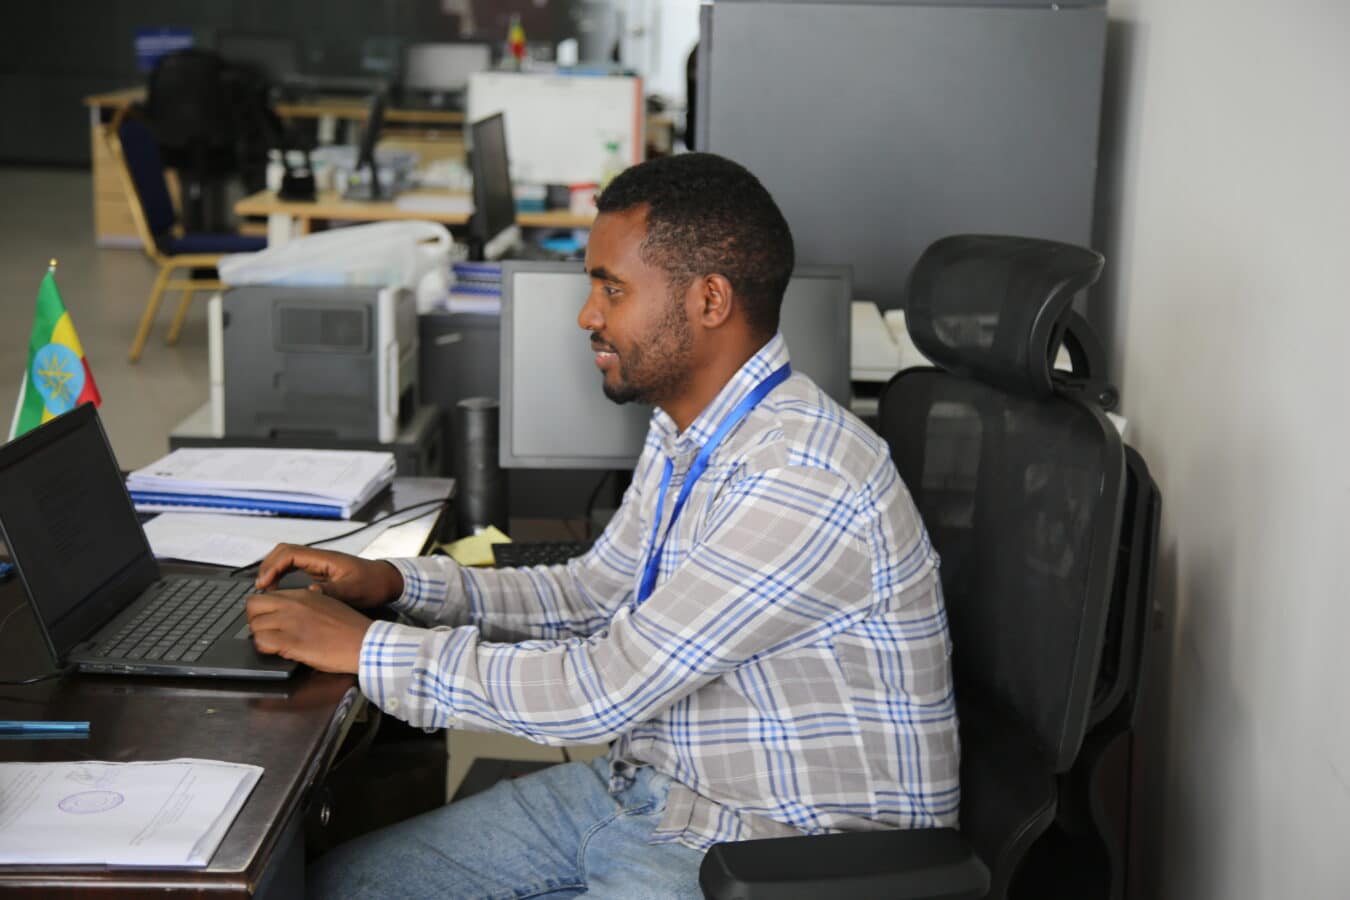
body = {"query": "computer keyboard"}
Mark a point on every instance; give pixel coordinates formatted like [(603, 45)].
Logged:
[(537, 553), (181, 623)]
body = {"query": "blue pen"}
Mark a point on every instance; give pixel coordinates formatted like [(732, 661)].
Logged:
[(38, 726)]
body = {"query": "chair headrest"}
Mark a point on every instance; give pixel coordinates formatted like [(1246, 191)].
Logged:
[(993, 307)]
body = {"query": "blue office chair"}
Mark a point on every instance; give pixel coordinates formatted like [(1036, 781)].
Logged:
[(142, 172), (1045, 523)]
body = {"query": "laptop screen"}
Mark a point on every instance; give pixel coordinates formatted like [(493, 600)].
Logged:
[(70, 526)]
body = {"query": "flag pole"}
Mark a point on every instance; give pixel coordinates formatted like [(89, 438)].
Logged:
[(18, 407)]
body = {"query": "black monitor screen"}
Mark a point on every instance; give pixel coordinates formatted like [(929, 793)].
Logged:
[(70, 526), (371, 136), (494, 204)]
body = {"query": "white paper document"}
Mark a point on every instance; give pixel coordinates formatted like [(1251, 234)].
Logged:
[(171, 813), (229, 540), (223, 539)]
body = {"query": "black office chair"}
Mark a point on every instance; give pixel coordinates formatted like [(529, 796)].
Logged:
[(1026, 489), (189, 109), (168, 245)]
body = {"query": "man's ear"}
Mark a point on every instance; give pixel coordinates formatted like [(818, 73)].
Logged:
[(716, 300)]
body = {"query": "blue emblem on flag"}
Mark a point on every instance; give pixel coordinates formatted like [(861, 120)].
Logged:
[(58, 375)]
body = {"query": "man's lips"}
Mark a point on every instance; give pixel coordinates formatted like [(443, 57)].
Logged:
[(604, 353)]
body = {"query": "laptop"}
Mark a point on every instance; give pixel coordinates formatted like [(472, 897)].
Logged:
[(97, 591)]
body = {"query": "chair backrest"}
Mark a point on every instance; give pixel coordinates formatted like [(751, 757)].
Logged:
[(1020, 485), (142, 171), (187, 102)]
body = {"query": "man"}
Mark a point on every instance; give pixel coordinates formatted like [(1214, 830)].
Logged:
[(759, 631)]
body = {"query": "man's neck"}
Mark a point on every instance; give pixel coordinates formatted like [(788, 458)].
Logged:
[(706, 382)]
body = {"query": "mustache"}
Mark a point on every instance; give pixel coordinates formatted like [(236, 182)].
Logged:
[(598, 345)]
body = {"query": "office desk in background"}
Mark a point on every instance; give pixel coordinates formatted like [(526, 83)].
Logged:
[(293, 730), (432, 133), (299, 216)]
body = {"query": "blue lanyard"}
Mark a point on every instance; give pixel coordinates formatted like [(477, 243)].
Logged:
[(742, 410)]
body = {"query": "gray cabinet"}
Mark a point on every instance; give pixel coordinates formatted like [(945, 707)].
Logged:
[(882, 126)]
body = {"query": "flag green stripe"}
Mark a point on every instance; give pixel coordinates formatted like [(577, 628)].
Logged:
[(30, 413), (49, 311)]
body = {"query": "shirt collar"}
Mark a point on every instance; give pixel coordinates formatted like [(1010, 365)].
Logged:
[(767, 360)]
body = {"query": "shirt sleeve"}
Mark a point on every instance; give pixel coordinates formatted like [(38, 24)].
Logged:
[(539, 602), (778, 563)]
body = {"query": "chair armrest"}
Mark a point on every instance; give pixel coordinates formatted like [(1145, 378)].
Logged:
[(931, 863)]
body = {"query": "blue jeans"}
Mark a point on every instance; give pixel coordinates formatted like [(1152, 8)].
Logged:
[(554, 833)]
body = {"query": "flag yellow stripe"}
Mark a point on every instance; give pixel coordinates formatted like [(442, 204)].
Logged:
[(64, 333)]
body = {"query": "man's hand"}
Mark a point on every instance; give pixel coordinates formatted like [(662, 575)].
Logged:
[(308, 627), (358, 582)]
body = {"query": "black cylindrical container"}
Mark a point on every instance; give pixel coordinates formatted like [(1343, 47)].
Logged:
[(481, 495)]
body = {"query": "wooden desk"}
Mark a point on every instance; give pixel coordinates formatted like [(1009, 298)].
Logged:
[(346, 108), (300, 216), (292, 729), (432, 133)]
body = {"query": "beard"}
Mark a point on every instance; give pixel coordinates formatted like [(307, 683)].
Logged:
[(657, 370)]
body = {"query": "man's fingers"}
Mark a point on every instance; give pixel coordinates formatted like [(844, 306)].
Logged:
[(275, 564), (259, 605)]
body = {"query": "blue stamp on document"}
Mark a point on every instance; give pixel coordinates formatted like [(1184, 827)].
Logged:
[(91, 802)]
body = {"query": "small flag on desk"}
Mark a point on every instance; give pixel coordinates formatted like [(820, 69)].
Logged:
[(57, 378)]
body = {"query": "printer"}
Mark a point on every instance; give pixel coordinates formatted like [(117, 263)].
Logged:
[(320, 363)]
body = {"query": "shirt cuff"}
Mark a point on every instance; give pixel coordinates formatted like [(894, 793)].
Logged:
[(426, 586), (391, 654)]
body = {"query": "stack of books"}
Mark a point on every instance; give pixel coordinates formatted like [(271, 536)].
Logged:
[(327, 484), (476, 287)]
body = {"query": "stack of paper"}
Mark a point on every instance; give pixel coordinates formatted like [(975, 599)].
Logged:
[(476, 288), (328, 484), (172, 813)]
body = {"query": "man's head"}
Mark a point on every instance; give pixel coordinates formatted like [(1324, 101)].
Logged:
[(688, 260), (708, 215)]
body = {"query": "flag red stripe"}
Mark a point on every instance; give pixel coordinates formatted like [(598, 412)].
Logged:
[(90, 392)]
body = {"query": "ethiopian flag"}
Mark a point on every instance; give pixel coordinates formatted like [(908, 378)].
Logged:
[(57, 378)]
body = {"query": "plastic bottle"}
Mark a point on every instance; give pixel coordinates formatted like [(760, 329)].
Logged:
[(614, 164), (515, 41)]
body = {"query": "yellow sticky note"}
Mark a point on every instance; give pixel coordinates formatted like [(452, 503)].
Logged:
[(476, 549)]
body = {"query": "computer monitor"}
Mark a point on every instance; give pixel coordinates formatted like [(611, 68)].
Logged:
[(443, 68), (365, 157), (493, 225), (554, 413)]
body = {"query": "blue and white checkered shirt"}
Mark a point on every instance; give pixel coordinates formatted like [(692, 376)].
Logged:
[(791, 670)]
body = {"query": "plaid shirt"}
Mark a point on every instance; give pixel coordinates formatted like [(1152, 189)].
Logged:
[(790, 671)]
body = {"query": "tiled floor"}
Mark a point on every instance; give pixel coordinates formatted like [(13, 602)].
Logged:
[(49, 213)]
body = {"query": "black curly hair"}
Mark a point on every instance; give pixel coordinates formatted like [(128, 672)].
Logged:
[(708, 215)]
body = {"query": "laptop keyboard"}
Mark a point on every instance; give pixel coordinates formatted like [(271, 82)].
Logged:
[(537, 553), (181, 623)]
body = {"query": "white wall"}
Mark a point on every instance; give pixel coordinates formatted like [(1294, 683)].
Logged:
[(1225, 218), (658, 36)]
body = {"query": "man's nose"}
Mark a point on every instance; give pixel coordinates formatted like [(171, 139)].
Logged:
[(589, 318)]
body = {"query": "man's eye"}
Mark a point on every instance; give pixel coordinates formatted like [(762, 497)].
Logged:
[(610, 290)]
